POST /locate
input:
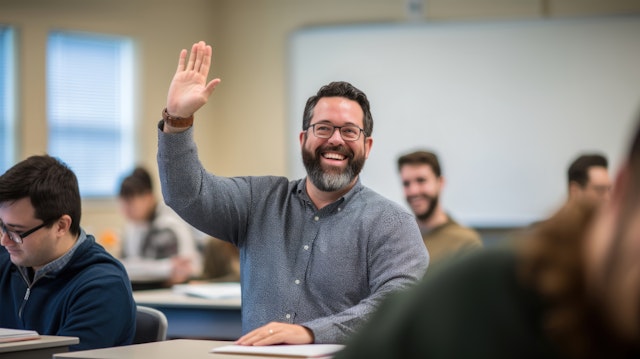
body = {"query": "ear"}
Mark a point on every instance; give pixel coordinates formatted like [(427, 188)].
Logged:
[(442, 181), (62, 225), (574, 189), (368, 143), (302, 134)]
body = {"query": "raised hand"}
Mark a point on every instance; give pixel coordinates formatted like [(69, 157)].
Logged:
[(189, 89)]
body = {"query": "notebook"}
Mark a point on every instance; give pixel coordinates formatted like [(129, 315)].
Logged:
[(288, 351), (14, 335)]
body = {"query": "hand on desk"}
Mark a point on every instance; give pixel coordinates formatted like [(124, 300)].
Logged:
[(277, 333)]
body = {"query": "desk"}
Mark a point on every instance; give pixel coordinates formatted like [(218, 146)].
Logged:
[(195, 318), (41, 348), (170, 349)]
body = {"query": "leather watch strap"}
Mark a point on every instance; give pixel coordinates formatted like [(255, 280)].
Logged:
[(177, 122)]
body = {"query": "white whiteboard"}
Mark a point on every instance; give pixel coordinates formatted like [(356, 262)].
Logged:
[(506, 105)]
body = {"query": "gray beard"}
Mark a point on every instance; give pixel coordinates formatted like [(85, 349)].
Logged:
[(330, 181)]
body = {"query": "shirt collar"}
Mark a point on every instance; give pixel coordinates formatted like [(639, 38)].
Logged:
[(301, 190)]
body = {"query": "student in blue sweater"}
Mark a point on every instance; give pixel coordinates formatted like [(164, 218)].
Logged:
[(54, 278)]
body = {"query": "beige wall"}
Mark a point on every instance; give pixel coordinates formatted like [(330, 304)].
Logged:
[(243, 129)]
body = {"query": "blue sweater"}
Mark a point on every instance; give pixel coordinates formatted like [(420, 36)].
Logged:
[(89, 298)]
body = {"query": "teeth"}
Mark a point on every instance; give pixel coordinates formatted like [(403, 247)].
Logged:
[(333, 156)]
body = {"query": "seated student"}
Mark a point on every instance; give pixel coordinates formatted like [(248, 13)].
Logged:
[(571, 291), (158, 247), (54, 278)]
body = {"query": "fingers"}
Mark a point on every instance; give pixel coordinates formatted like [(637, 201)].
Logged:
[(181, 60), (203, 62), (200, 54), (260, 336), (277, 333), (192, 56)]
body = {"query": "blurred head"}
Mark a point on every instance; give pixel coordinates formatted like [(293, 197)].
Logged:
[(613, 250), (40, 202), (137, 200), (422, 182), (338, 112), (588, 177)]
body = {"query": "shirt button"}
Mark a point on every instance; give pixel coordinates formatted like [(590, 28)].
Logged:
[(306, 247), (339, 209), (316, 218), (288, 316), (297, 281)]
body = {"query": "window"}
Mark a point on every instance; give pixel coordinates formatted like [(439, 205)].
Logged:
[(7, 100), (90, 107)]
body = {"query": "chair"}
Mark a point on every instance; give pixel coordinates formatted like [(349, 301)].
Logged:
[(151, 325)]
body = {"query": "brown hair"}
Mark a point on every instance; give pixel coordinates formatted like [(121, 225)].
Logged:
[(421, 158)]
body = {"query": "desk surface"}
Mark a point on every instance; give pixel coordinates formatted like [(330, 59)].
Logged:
[(42, 348), (169, 298), (45, 341), (179, 348)]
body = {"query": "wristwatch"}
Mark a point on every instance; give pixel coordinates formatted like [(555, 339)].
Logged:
[(177, 122)]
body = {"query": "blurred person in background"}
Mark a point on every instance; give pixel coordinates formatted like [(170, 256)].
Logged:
[(423, 183), (158, 248)]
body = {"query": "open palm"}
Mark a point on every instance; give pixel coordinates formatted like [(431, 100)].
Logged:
[(189, 89)]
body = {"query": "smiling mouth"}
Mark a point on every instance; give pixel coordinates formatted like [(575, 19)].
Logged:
[(333, 156)]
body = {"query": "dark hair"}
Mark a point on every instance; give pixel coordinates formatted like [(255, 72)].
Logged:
[(137, 183), (421, 158), (579, 169), (50, 185), (339, 89)]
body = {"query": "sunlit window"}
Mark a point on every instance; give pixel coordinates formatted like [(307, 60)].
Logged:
[(90, 114), (7, 98)]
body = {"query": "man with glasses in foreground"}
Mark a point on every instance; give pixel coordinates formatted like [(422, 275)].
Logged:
[(54, 278), (317, 254)]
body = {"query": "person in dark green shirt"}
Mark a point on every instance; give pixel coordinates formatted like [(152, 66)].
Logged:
[(570, 288)]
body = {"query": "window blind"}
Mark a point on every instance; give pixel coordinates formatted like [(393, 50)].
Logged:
[(7, 100), (90, 107)]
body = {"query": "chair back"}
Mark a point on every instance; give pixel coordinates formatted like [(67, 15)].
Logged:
[(151, 325)]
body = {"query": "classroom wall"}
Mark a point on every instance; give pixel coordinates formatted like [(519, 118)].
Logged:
[(250, 40)]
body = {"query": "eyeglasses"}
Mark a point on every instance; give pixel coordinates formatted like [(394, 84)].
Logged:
[(348, 133), (17, 237)]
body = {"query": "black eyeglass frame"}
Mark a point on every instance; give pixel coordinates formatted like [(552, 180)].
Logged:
[(313, 127), (18, 237)]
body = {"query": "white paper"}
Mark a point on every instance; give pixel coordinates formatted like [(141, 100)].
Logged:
[(9, 335), (294, 351), (210, 290)]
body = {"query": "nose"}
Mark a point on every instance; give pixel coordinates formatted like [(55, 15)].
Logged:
[(336, 136), (4, 238), (410, 188)]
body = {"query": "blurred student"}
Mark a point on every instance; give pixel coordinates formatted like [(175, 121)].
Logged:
[(54, 278), (588, 177), (423, 183), (571, 290), (158, 247)]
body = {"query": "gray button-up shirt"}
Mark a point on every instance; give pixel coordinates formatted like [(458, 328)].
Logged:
[(325, 269)]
